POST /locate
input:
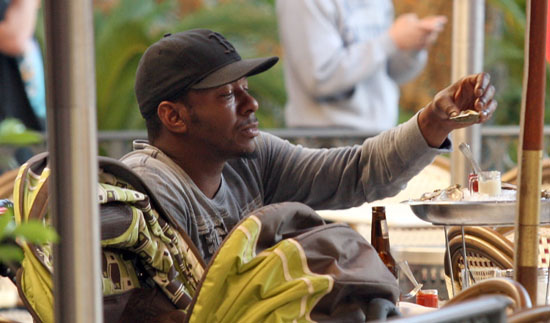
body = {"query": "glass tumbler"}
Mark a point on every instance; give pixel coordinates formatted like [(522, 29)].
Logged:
[(489, 183)]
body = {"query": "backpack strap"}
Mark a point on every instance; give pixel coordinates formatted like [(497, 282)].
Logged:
[(120, 170), (32, 204), (39, 201), (24, 299)]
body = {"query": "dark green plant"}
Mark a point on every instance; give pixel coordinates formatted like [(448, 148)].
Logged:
[(14, 133), (504, 58), (31, 231), (124, 33), (121, 37)]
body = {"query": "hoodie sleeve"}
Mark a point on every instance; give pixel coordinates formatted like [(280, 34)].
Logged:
[(316, 49), (405, 65)]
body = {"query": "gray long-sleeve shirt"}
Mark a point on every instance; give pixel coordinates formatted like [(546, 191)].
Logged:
[(341, 67), (321, 178)]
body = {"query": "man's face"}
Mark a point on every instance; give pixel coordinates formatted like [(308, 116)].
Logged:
[(222, 119)]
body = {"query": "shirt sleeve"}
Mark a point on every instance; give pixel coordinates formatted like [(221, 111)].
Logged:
[(315, 49), (347, 176), (403, 66)]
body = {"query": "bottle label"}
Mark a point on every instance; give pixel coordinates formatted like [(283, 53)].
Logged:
[(384, 229)]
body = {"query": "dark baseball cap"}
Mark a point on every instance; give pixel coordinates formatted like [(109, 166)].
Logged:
[(193, 59)]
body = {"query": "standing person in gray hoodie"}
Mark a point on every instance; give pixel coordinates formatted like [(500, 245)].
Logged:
[(345, 59)]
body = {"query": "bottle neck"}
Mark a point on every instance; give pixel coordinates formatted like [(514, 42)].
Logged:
[(379, 233)]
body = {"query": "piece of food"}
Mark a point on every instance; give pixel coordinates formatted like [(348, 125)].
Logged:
[(466, 116)]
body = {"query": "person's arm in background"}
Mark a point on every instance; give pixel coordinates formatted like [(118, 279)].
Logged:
[(17, 27), (412, 37), (316, 52), (324, 64)]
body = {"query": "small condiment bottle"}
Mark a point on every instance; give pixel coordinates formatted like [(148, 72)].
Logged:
[(380, 240), (473, 183), (427, 297)]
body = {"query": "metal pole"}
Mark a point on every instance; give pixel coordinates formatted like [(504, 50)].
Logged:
[(467, 58), (531, 139), (449, 259), (73, 159)]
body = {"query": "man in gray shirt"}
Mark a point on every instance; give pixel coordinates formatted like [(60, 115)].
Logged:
[(210, 166)]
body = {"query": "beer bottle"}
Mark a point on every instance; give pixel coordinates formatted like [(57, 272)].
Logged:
[(379, 238)]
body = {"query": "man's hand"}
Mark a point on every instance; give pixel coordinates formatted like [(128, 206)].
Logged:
[(474, 92)]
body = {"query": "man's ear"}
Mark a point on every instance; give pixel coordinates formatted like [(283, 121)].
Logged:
[(171, 116)]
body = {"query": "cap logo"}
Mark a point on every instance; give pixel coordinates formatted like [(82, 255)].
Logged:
[(227, 45)]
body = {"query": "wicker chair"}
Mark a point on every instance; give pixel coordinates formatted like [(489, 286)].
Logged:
[(496, 286), (544, 244), (511, 176), (7, 180), (486, 252), (530, 315)]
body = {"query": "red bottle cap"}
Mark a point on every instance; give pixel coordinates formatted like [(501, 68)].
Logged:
[(427, 297)]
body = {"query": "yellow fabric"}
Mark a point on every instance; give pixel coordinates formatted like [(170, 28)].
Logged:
[(273, 286), (35, 282)]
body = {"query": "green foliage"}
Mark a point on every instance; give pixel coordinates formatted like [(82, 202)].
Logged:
[(14, 133), (504, 59), (121, 37), (123, 34), (31, 231)]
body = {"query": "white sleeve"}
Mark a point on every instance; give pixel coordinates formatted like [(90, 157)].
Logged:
[(315, 49), (405, 65)]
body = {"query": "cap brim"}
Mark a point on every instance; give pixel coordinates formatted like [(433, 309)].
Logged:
[(235, 71)]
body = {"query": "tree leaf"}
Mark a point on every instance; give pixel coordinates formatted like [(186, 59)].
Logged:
[(35, 232), (13, 132), (127, 29), (10, 253), (4, 222)]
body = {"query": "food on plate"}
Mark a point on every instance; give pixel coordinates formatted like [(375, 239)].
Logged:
[(457, 193)]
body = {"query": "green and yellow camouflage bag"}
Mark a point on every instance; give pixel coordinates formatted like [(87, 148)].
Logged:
[(146, 263), (282, 263)]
